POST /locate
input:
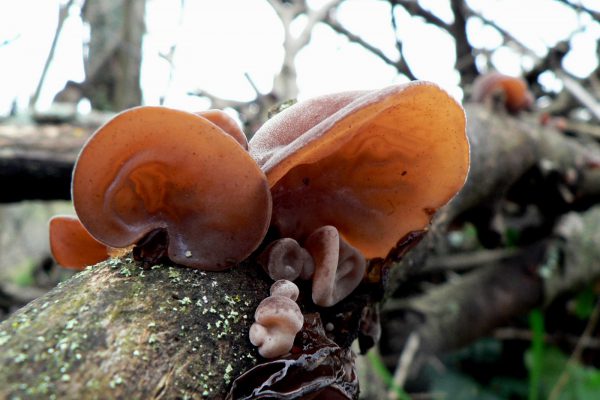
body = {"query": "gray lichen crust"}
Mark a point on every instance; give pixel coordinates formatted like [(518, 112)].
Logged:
[(116, 330)]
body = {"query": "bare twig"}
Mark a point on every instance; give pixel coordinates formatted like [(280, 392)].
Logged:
[(576, 355), (467, 260), (404, 364), (314, 17), (219, 102), (288, 10), (581, 8), (507, 36), (169, 57), (509, 333), (251, 82), (579, 92), (465, 57), (284, 83), (414, 8), (400, 64), (62, 16), (583, 128)]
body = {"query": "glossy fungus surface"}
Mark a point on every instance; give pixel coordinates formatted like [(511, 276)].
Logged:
[(72, 246), (155, 168), (376, 165)]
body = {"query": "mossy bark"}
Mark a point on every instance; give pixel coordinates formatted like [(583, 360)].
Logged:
[(119, 331)]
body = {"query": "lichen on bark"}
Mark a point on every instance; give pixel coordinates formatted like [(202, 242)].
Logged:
[(117, 330)]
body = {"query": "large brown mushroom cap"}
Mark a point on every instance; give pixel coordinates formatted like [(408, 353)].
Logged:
[(376, 165), (157, 168)]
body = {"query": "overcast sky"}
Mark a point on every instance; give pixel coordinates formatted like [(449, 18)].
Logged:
[(216, 47)]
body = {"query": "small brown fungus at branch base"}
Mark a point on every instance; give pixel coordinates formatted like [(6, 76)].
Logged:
[(152, 249), (368, 163), (72, 246), (321, 370), (155, 168), (277, 321), (512, 92), (286, 259), (339, 267)]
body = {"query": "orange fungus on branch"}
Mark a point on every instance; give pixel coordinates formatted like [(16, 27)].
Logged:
[(372, 164), (72, 246), (154, 168), (513, 92)]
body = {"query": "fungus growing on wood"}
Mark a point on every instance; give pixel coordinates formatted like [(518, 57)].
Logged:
[(154, 168), (376, 165), (278, 320), (322, 370), (286, 259), (511, 91), (72, 246), (339, 267)]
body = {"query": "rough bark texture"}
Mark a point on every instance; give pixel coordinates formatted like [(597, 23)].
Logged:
[(118, 331)]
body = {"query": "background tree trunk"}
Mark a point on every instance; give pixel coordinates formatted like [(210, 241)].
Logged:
[(114, 56)]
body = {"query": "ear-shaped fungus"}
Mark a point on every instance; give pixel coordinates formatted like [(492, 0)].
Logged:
[(376, 165), (286, 259), (513, 91), (72, 246), (339, 267), (278, 320), (155, 168)]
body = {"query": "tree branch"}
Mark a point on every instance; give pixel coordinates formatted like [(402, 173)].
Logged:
[(400, 65), (415, 9), (120, 331)]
